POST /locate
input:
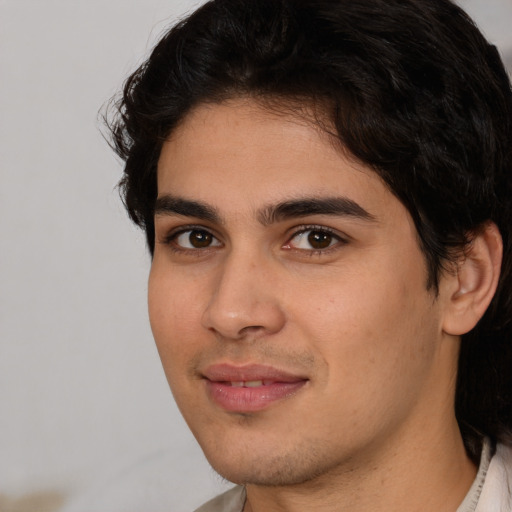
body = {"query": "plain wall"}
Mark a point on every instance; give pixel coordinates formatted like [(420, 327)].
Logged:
[(82, 392)]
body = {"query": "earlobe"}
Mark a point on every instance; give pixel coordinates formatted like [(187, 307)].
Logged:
[(475, 281)]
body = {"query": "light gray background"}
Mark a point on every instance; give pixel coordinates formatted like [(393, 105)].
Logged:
[(83, 399)]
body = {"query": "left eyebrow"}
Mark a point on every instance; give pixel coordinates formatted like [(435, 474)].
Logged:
[(338, 206)]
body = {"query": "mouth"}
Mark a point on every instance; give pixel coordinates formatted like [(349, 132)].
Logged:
[(250, 383), (249, 388)]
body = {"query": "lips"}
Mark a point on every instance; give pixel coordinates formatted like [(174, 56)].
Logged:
[(249, 388)]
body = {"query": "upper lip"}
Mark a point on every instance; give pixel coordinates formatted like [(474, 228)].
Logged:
[(250, 372)]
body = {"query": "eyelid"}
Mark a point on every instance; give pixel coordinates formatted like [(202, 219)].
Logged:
[(341, 238), (170, 236)]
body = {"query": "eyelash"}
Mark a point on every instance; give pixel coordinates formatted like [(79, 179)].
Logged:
[(337, 240), (171, 238)]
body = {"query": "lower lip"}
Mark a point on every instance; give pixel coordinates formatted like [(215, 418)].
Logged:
[(250, 399)]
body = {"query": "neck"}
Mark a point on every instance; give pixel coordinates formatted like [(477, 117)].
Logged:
[(429, 472)]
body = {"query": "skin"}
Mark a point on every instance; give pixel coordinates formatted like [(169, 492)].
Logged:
[(373, 427)]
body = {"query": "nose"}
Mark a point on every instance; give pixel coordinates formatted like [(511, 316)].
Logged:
[(245, 301)]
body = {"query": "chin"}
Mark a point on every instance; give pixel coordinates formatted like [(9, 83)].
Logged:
[(294, 467)]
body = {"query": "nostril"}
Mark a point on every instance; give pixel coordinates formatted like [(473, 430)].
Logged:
[(252, 330)]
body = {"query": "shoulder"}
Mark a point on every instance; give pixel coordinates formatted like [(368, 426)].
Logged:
[(230, 501), (496, 492)]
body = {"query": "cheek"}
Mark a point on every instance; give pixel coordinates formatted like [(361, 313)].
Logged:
[(174, 319), (376, 323), (174, 314), (377, 354)]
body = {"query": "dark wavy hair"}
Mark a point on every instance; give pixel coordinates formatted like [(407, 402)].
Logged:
[(410, 87)]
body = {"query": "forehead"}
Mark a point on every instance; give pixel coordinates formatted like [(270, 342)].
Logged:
[(241, 149)]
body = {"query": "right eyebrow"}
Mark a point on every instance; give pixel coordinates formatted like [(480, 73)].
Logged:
[(171, 205)]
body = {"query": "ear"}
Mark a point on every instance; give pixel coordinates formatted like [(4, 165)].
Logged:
[(470, 289)]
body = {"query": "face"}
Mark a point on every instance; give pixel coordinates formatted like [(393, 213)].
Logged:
[(288, 299)]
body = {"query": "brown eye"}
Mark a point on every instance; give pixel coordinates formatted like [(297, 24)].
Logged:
[(200, 239), (314, 240), (195, 239), (319, 239)]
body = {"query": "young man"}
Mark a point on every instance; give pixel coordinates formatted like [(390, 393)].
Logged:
[(326, 192)]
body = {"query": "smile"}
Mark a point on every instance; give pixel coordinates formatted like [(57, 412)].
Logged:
[(249, 388), (250, 383)]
